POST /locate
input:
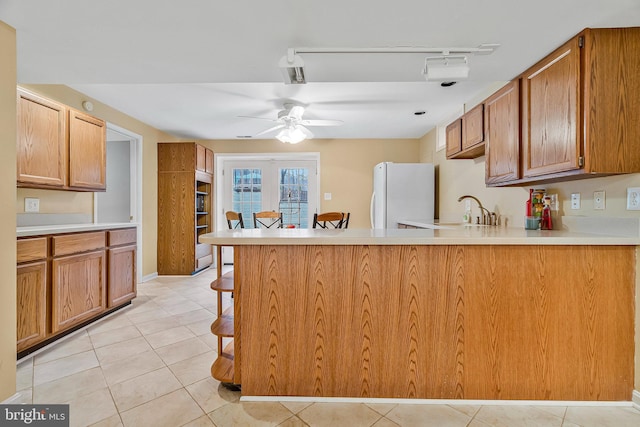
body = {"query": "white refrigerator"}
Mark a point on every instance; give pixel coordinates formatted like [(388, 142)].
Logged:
[(402, 191)]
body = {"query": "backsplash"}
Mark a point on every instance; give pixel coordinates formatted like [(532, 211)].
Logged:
[(38, 219)]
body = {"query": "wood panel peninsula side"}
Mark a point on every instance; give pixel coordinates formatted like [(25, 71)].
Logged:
[(463, 313)]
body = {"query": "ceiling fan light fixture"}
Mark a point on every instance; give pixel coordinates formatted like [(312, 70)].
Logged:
[(446, 68), (292, 69), (291, 135)]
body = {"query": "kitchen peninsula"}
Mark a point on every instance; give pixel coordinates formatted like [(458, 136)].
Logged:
[(453, 313)]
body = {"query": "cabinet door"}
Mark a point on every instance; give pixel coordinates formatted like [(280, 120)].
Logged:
[(78, 289), (201, 158), (42, 141), (87, 152), (31, 304), (473, 127), (454, 138), (551, 113), (209, 161), (176, 227), (502, 129), (122, 275)]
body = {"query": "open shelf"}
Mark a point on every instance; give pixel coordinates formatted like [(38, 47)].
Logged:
[(223, 283), (223, 325), (223, 369)]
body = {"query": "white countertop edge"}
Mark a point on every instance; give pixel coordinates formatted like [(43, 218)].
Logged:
[(70, 228), (457, 236)]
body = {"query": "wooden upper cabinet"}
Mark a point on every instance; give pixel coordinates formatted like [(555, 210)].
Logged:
[(454, 138), (473, 127), (465, 136), (580, 108), (208, 161), (201, 158), (551, 113), (502, 131), (58, 147), (611, 103), (42, 141), (87, 151), (204, 159)]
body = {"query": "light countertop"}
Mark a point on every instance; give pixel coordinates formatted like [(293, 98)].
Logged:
[(454, 235), (69, 228)]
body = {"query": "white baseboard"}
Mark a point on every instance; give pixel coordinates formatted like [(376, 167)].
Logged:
[(13, 399), (435, 401), (149, 277), (635, 399)]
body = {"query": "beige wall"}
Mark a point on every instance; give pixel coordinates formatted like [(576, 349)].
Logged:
[(58, 201), (346, 166), (7, 216)]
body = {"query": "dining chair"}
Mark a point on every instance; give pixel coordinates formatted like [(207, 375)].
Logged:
[(234, 216), (329, 220), (345, 221), (267, 219)]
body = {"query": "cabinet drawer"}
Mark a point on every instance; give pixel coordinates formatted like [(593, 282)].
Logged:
[(81, 242), (32, 249), (121, 237)]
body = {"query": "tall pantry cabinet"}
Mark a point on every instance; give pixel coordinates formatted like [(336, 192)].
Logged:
[(185, 184)]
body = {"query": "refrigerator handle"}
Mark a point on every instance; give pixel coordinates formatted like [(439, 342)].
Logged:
[(371, 212)]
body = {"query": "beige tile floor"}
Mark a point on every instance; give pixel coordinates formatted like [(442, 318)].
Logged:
[(149, 365)]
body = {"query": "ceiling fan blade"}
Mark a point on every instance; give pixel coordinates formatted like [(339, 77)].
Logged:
[(268, 130), (296, 112), (260, 118), (321, 122)]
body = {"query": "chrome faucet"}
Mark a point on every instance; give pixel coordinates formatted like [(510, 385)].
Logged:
[(488, 218)]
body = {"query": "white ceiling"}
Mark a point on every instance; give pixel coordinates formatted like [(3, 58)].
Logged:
[(190, 68)]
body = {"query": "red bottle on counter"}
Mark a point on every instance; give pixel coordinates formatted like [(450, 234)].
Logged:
[(546, 223), (528, 205)]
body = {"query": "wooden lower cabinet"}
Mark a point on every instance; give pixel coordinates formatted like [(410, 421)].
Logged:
[(67, 280), (31, 304), (444, 322), (122, 275), (78, 289)]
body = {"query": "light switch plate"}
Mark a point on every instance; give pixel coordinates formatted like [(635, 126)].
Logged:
[(598, 200), (327, 196), (575, 200), (31, 204), (633, 199)]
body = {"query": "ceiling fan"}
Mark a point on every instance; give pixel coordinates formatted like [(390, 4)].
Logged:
[(292, 126)]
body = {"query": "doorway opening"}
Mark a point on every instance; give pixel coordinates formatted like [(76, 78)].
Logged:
[(122, 201)]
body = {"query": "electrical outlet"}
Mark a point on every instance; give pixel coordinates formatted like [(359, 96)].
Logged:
[(575, 200), (31, 204), (633, 199), (598, 200)]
